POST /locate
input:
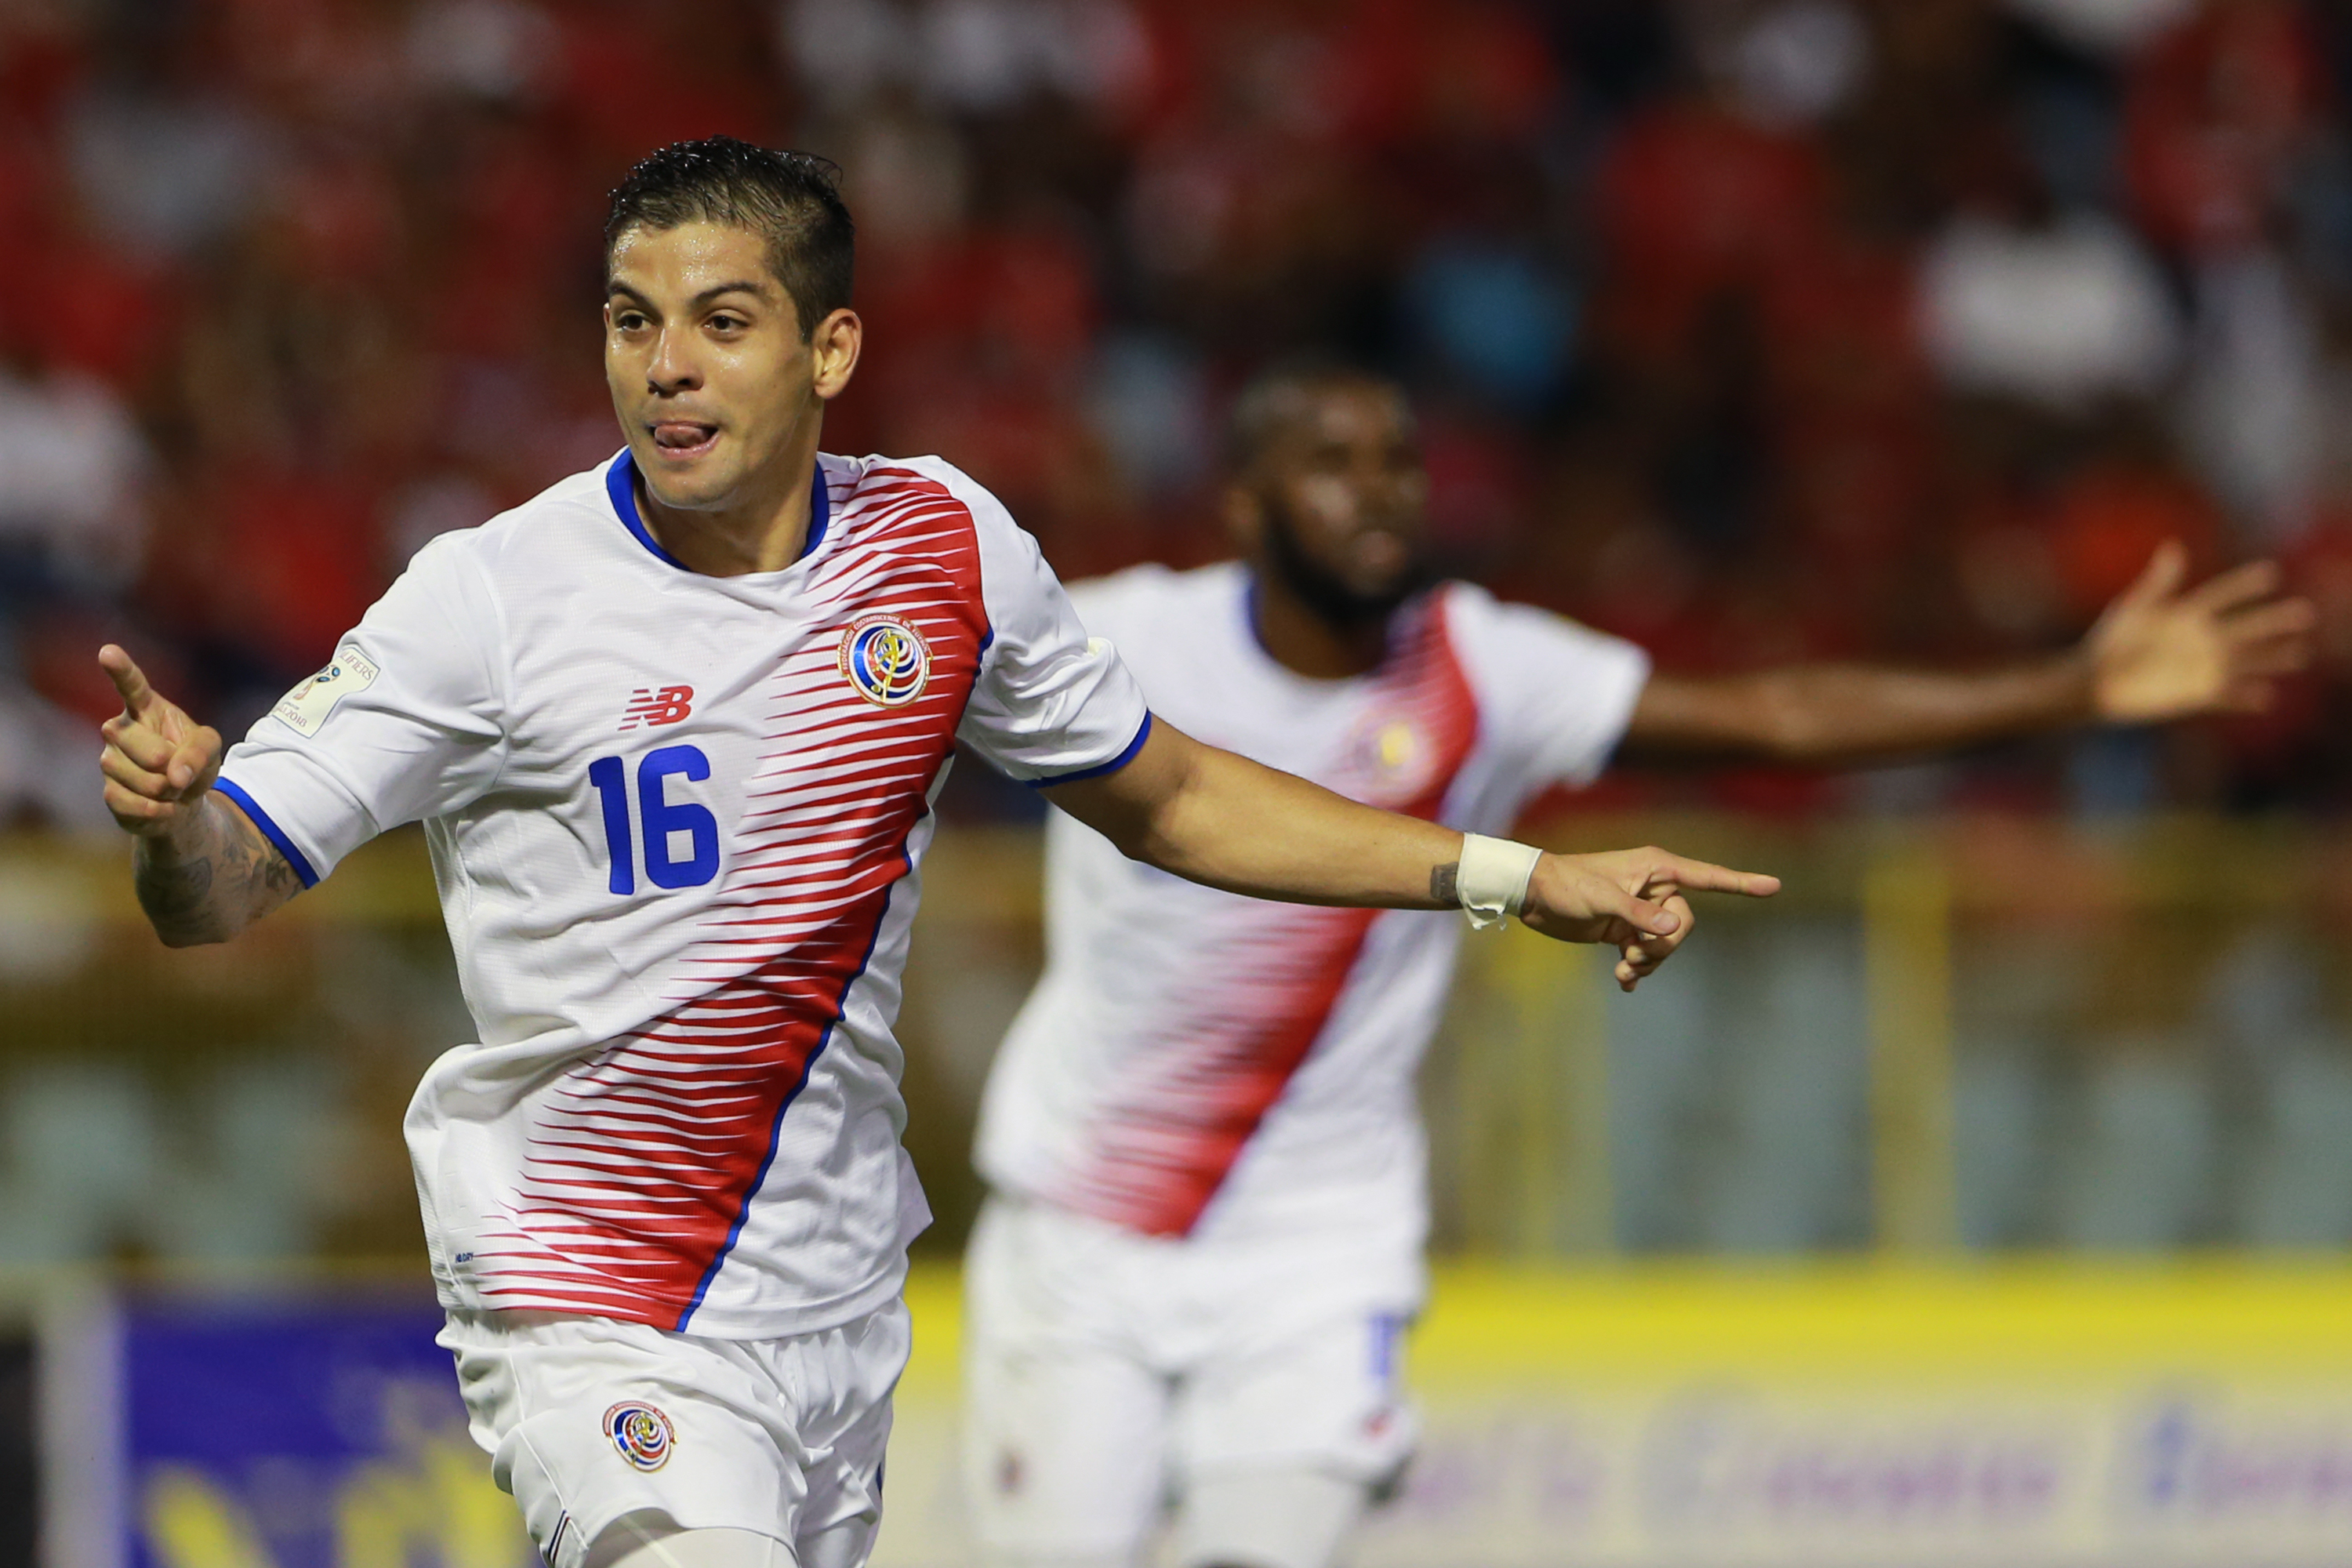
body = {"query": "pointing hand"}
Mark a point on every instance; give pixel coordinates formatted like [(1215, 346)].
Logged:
[(158, 762)]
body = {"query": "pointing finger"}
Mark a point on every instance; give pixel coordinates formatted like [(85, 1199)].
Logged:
[(1702, 877), (128, 677)]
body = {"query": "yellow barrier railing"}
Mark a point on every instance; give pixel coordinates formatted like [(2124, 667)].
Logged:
[(1544, 1101)]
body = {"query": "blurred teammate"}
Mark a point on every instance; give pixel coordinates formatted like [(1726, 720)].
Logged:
[(673, 728), (1207, 1204)]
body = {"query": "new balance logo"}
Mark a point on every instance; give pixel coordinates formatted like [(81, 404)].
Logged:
[(650, 707)]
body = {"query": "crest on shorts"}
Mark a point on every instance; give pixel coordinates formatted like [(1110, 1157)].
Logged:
[(886, 659), (642, 1433)]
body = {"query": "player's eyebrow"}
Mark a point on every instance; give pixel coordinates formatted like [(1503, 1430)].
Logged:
[(615, 286)]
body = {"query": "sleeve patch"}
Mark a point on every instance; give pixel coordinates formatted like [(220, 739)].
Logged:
[(306, 708)]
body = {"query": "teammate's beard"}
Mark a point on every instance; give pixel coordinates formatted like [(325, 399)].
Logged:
[(1324, 592)]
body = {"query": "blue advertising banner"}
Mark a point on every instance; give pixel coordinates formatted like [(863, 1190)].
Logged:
[(311, 1431)]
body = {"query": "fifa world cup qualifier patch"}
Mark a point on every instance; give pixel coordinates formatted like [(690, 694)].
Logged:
[(305, 707), (886, 660), (642, 1433)]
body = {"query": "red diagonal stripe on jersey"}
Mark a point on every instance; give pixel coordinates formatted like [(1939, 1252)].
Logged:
[(644, 1163), (1160, 1153)]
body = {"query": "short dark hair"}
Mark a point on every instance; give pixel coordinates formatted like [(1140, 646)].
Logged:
[(792, 200), (1272, 399)]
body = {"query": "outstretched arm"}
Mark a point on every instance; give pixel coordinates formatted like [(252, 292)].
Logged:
[(1214, 817), (2156, 654), (204, 872)]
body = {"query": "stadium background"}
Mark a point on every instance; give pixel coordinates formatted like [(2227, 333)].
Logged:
[(1750, 329)]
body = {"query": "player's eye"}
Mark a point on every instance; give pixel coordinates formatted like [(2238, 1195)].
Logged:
[(727, 324), (629, 322)]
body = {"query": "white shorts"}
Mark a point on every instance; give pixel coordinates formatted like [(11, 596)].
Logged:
[(1106, 1372), (590, 1421)]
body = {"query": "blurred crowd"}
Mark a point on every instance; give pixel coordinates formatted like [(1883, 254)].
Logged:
[(1750, 329)]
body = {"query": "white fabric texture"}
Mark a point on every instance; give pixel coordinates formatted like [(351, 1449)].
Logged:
[(1281, 1518), (1196, 1063), (779, 1438), (676, 822), (1105, 1370), (650, 1544)]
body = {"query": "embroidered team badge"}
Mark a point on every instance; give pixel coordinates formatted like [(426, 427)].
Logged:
[(642, 1433), (886, 659), (1390, 759)]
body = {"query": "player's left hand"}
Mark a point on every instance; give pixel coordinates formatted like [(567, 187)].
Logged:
[(1633, 899), (2159, 653)]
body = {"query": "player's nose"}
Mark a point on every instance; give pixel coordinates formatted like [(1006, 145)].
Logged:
[(673, 366)]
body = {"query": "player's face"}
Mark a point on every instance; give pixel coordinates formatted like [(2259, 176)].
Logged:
[(1340, 493), (710, 374)]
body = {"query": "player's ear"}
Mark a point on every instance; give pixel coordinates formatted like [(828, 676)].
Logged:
[(834, 347)]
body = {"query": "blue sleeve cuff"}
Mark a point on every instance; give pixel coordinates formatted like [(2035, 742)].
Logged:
[(269, 830), (1142, 735)]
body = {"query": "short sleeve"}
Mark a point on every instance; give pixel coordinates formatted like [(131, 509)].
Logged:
[(404, 722), (1052, 705), (1558, 695)]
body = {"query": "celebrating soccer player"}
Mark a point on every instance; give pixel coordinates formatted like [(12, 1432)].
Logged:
[(1207, 1196), (673, 728)]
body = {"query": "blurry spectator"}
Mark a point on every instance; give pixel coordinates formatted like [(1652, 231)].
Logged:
[(167, 160), (496, 51), (2058, 309), (2220, 106), (293, 284), (1148, 401), (2106, 26), (2254, 404), (71, 464)]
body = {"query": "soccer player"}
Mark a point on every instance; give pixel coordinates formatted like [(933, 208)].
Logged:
[(673, 728), (1207, 1199)]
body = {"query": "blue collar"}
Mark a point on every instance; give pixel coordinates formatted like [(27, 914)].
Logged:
[(620, 484)]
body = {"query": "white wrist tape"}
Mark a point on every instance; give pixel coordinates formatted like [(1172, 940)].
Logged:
[(1493, 880)]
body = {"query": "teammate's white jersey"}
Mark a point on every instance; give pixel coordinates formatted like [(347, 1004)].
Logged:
[(1196, 1063), (675, 820)]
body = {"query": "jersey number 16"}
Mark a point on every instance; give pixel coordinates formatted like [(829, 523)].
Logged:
[(661, 818)]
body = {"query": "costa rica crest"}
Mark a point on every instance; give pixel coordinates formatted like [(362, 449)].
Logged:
[(886, 659), (641, 1433)]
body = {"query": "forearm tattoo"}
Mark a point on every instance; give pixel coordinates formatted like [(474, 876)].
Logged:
[(210, 889), (1445, 883)]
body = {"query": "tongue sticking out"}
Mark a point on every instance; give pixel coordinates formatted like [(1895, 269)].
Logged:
[(675, 435)]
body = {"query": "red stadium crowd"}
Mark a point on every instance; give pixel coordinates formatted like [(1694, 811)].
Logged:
[(1742, 327)]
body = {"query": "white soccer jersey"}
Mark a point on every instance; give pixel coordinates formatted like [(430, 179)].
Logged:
[(1196, 1063), (676, 820)]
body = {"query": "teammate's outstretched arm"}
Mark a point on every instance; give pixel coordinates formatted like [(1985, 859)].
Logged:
[(2158, 654), (1214, 817), (204, 871)]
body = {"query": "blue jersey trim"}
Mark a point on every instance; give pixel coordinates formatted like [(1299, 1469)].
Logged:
[(269, 830), (776, 1130), (1099, 769), (820, 512), (619, 485)]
